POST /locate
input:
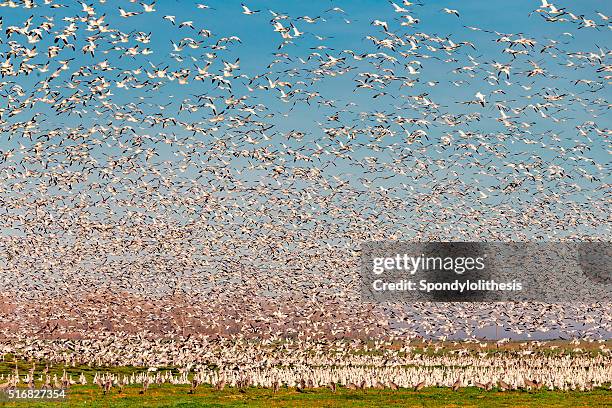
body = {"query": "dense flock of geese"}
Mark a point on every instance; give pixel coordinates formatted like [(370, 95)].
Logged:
[(307, 365), (210, 171)]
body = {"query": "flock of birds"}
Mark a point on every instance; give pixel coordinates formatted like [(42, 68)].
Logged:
[(352, 365), (210, 171)]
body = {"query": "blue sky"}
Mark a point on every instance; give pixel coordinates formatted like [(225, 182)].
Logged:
[(259, 43)]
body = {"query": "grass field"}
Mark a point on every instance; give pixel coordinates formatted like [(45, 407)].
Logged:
[(167, 395), (177, 396)]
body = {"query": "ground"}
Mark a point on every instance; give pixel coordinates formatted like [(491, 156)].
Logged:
[(167, 395), (177, 396)]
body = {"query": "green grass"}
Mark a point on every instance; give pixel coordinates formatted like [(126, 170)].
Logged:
[(168, 395), (176, 396)]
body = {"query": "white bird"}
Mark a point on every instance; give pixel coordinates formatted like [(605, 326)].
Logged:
[(379, 23), (480, 98), (247, 11), (399, 9), (126, 14), (148, 8), (451, 11), (186, 24)]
